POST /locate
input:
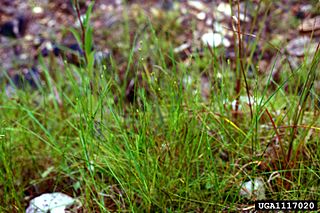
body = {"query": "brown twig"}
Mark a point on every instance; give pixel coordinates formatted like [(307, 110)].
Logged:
[(238, 85), (276, 131)]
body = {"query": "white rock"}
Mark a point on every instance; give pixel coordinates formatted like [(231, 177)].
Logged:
[(254, 189), (306, 8), (201, 16), (209, 22), (226, 42), (225, 9), (37, 10), (181, 48), (244, 101), (197, 5), (217, 27), (301, 45), (214, 40), (244, 18), (55, 202)]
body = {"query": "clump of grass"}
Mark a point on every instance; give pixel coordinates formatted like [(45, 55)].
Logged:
[(164, 148)]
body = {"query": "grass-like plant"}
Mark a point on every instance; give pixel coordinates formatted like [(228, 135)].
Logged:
[(137, 135)]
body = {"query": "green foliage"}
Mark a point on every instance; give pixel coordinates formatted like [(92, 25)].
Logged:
[(169, 149)]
